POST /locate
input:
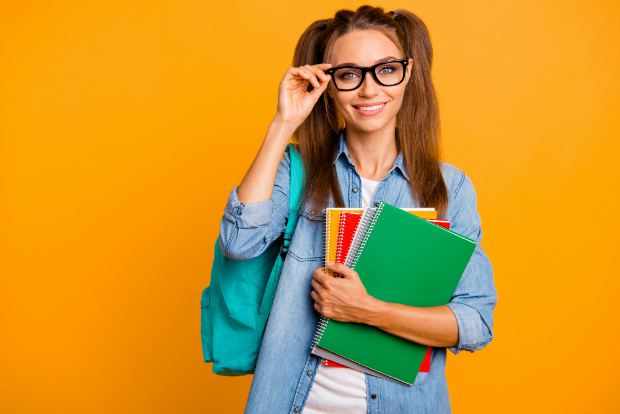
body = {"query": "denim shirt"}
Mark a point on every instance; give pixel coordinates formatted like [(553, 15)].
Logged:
[(285, 369)]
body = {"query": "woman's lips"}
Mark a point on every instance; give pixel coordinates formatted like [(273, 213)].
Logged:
[(369, 109)]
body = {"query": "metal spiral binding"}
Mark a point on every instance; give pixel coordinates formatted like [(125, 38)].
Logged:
[(323, 322), (359, 234), (319, 331), (328, 218), (341, 225), (371, 226)]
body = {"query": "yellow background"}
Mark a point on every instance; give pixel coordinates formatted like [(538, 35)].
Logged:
[(125, 124)]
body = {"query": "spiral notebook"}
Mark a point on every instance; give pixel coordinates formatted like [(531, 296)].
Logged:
[(423, 263), (342, 238), (346, 232), (332, 226)]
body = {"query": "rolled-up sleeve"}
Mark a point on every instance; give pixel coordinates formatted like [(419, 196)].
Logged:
[(246, 230), (475, 297)]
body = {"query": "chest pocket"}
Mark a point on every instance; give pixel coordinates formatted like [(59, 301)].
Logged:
[(308, 242)]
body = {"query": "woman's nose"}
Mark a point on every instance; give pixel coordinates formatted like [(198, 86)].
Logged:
[(369, 86)]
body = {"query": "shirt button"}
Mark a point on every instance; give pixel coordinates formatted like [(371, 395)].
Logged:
[(377, 204), (374, 396), (354, 189), (309, 373), (296, 409)]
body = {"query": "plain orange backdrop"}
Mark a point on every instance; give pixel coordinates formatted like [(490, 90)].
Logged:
[(125, 124)]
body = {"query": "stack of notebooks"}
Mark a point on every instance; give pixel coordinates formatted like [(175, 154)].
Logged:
[(403, 256)]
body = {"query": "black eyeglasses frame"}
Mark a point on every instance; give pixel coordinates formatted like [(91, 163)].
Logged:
[(366, 69)]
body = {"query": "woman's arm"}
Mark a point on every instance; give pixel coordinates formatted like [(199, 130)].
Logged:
[(256, 211), (465, 323), (433, 326), (346, 300), (294, 105), (257, 185)]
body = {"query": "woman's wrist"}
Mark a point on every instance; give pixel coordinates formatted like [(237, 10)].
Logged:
[(257, 185), (375, 312), (278, 136), (286, 126)]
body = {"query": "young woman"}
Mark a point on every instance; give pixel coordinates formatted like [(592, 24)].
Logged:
[(389, 151)]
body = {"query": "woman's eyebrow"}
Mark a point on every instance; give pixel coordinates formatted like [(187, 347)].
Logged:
[(376, 61)]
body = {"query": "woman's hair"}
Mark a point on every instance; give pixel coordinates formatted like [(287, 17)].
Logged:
[(418, 128)]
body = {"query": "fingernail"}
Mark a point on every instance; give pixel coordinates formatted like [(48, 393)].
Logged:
[(330, 263)]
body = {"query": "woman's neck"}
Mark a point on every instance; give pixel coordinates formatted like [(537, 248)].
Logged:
[(374, 153)]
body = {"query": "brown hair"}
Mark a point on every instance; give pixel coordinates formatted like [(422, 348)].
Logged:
[(418, 131)]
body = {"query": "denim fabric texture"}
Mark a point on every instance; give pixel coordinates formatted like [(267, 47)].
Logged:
[(285, 368)]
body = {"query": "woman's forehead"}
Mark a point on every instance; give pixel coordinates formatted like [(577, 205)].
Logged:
[(363, 48)]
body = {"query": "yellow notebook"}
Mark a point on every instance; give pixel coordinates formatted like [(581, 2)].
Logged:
[(332, 223)]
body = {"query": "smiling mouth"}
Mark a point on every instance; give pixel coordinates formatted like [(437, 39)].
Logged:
[(369, 108)]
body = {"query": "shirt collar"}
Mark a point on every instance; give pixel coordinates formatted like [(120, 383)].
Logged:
[(399, 164)]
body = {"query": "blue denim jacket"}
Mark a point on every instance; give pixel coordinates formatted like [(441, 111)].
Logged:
[(285, 369)]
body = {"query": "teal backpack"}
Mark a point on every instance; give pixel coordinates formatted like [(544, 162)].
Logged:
[(236, 305)]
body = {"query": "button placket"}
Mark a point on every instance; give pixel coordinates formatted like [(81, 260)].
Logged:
[(372, 387), (354, 188), (381, 192), (305, 383)]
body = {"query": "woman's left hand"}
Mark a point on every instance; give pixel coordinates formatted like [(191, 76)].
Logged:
[(341, 299)]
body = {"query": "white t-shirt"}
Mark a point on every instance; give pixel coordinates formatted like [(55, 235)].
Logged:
[(338, 390), (369, 188)]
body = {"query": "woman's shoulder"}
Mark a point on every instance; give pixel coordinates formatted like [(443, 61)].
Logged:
[(455, 179), (462, 200)]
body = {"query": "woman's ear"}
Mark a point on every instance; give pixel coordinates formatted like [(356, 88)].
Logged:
[(409, 68)]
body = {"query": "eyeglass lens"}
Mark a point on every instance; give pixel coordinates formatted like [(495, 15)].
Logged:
[(388, 74)]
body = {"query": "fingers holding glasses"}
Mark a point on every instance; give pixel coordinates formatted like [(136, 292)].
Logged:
[(320, 79), (308, 76), (319, 76), (294, 100), (312, 73)]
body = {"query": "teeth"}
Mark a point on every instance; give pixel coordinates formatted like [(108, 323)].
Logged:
[(370, 108)]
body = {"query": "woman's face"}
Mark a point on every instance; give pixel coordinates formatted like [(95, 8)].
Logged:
[(367, 48)]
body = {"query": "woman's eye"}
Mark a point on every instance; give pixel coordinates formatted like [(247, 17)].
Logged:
[(348, 75), (386, 70)]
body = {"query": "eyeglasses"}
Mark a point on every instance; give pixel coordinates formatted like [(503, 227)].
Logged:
[(389, 73)]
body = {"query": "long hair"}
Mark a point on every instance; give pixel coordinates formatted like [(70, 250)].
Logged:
[(418, 126)]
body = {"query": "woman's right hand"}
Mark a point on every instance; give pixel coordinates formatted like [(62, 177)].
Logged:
[(294, 101), (294, 105)]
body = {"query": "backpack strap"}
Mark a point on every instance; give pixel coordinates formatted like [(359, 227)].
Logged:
[(296, 192)]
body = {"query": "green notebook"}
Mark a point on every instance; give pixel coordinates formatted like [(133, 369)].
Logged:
[(402, 259)]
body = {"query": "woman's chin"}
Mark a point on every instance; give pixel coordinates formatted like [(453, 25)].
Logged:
[(368, 125)]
